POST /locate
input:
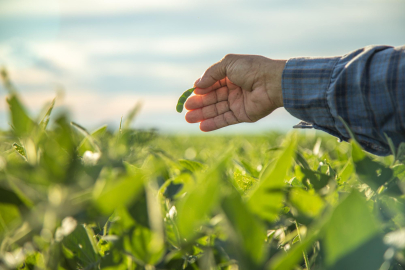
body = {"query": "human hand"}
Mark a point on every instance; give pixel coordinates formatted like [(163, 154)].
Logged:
[(239, 88)]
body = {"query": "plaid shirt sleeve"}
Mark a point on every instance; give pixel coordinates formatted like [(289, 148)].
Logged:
[(365, 87)]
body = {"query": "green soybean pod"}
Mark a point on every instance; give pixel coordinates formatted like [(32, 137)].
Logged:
[(183, 99)]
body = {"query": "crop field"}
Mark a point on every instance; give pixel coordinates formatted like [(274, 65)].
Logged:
[(71, 198)]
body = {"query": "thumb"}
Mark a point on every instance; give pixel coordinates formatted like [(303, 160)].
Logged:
[(214, 73)]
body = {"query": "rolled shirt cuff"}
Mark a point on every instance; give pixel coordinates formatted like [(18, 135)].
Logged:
[(306, 85)]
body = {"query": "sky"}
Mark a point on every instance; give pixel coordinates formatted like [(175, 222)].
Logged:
[(108, 55)]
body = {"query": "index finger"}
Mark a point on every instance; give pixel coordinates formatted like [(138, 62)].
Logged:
[(215, 86), (199, 101)]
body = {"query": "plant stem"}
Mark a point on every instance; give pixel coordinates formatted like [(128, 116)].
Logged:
[(304, 252)]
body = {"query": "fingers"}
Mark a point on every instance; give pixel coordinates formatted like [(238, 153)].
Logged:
[(216, 72), (215, 86), (199, 101), (210, 104), (218, 122), (213, 74), (207, 112)]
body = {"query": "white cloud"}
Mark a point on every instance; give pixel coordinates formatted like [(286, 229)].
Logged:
[(152, 70), (28, 7), (88, 103), (317, 19), (109, 7), (62, 54), (73, 53), (120, 7), (77, 59), (88, 7), (32, 77)]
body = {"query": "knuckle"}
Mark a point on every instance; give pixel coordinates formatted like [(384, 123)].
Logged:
[(229, 56)]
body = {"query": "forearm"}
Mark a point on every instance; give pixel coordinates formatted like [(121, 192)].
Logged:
[(366, 88)]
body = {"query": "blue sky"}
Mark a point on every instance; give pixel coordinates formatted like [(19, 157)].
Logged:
[(108, 55)]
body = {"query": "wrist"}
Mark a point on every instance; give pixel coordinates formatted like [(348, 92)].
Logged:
[(274, 82)]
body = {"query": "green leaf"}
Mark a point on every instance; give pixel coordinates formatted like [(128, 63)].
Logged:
[(99, 131), (45, 120), (318, 180), (391, 145), (82, 245), (243, 182), (394, 188), (171, 189), (192, 166), (351, 225), (124, 191), (120, 128), (266, 198), (131, 115), (20, 120), (294, 182), (351, 134), (346, 172), (200, 200), (306, 203), (175, 188), (369, 255), (197, 204), (121, 221), (23, 196), (399, 171), (247, 232), (370, 172), (288, 261), (113, 260), (63, 134), (88, 137), (249, 168), (9, 216), (35, 261), (300, 159), (10, 197), (7, 82), (89, 141), (401, 152), (146, 245)]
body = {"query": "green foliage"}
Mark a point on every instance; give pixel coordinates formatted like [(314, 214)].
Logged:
[(308, 203), (20, 120), (145, 245), (133, 199), (350, 226), (199, 201), (118, 191), (372, 173), (80, 248), (246, 232), (266, 198)]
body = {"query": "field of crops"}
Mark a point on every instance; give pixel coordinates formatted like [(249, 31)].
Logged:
[(135, 199)]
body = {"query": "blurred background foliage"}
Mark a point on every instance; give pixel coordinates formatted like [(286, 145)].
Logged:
[(135, 199)]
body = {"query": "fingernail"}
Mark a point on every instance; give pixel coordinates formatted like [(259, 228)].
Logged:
[(197, 81)]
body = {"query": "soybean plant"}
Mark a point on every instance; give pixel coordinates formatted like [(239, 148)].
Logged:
[(183, 99)]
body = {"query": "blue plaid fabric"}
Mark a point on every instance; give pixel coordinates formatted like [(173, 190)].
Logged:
[(365, 87)]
